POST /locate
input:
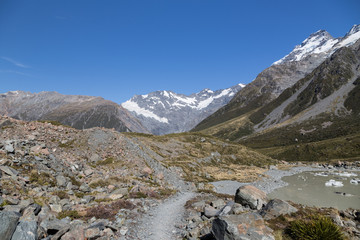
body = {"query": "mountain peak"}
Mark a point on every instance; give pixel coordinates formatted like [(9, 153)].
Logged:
[(353, 30), (321, 42), (165, 112)]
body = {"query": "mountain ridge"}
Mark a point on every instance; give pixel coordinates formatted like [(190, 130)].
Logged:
[(164, 112)]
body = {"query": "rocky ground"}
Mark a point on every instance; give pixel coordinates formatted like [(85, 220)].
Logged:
[(57, 182)]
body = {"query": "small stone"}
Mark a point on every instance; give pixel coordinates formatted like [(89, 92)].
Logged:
[(210, 211), (9, 148), (56, 208), (88, 172), (85, 188), (123, 230), (9, 171), (92, 233), (61, 181), (108, 232), (116, 196), (219, 203)]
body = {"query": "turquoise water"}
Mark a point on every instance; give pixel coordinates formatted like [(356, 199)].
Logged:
[(308, 189)]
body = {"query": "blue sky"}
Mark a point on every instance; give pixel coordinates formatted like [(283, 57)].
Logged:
[(118, 48)]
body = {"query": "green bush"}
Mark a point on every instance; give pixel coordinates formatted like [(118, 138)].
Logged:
[(71, 214), (316, 228)]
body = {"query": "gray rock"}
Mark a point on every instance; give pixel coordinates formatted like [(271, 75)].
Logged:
[(9, 148), (56, 208), (226, 209), (61, 181), (25, 230), (76, 232), (95, 158), (54, 200), (9, 171), (251, 196), (219, 203), (123, 191), (87, 199), (60, 233), (92, 233), (55, 225), (210, 212), (247, 226), (237, 209), (8, 222), (11, 201), (85, 188), (275, 208), (14, 208)]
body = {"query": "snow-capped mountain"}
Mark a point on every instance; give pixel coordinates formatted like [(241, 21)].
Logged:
[(322, 44), (164, 112), (282, 74)]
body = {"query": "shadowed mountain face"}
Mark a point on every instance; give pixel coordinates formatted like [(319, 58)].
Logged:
[(77, 111), (272, 82)]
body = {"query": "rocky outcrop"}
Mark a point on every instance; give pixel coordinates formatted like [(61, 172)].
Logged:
[(251, 196), (275, 208), (241, 227)]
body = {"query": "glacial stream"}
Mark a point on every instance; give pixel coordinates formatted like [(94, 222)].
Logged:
[(309, 188)]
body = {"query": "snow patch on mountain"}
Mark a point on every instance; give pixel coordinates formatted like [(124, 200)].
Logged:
[(134, 107), (165, 112), (321, 43)]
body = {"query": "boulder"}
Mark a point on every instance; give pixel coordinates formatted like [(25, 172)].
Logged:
[(251, 196), (76, 232), (8, 222), (25, 230), (55, 225), (61, 181), (241, 227), (275, 208)]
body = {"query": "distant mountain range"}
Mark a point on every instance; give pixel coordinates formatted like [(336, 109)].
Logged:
[(306, 96), (164, 112), (159, 112), (77, 111)]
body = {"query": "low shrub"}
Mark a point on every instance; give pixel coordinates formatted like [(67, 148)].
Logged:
[(61, 194), (315, 228), (108, 211), (73, 214)]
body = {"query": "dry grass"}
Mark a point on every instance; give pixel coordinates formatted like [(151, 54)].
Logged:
[(235, 172)]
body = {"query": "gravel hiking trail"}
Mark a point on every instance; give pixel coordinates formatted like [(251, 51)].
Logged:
[(161, 221)]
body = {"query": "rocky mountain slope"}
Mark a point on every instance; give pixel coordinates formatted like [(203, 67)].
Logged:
[(74, 110), (164, 112), (317, 119), (283, 74), (58, 182)]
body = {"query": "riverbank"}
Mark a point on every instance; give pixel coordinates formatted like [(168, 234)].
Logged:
[(273, 179)]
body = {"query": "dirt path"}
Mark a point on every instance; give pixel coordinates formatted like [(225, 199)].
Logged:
[(160, 222)]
